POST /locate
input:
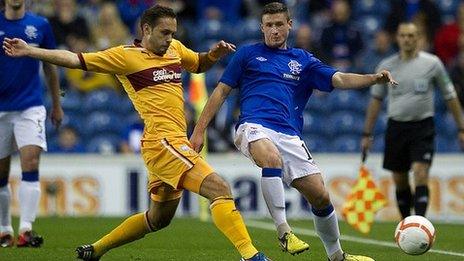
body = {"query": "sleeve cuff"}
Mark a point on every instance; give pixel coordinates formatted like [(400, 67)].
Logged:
[(82, 61)]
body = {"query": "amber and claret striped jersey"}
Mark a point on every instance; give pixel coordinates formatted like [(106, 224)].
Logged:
[(152, 82)]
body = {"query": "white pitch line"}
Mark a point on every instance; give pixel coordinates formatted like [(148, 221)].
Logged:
[(312, 233)]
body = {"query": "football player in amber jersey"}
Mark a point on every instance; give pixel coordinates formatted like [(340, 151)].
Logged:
[(150, 71)]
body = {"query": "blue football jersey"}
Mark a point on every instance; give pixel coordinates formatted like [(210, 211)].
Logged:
[(275, 85), (20, 84)]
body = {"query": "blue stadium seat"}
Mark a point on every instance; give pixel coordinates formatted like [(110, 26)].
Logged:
[(445, 124), (378, 144), (125, 105), (346, 143), (345, 122), (445, 144), (104, 144), (316, 143), (370, 7), (73, 119), (370, 24), (439, 103), (318, 103), (131, 118), (448, 9), (314, 124), (72, 101), (381, 124), (211, 31), (348, 100), (104, 99), (98, 123), (212, 77), (247, 30)]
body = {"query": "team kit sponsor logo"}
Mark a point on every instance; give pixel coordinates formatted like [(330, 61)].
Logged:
[(163, 75), (155, 75)]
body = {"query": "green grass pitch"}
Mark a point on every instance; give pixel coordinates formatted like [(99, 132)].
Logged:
[(190, 239)]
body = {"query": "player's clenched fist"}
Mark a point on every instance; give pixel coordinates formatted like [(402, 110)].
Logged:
[(221, 49)]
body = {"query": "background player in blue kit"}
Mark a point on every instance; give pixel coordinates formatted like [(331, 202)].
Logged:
[(275, 83), (22, 118)]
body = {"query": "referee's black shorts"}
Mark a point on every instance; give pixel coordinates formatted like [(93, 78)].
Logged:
[(407, 142)]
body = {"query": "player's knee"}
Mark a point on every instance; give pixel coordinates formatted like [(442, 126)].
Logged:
[(322, 200), (214, 186), (273, 160), (222, 187)]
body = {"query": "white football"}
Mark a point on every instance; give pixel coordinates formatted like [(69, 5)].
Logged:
[(415, 235)]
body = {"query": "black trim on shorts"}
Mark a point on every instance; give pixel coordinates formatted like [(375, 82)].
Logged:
[(307, 151)]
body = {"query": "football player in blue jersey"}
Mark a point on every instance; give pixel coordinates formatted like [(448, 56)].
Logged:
[(22, 118), (275, 82)]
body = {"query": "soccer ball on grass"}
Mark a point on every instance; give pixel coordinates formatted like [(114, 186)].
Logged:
[(415, 235)]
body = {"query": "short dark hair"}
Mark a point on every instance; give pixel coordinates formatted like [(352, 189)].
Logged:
[(152, 14), (275, 8)]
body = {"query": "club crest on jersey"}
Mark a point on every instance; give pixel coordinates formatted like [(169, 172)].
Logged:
[(295, 70), (31, 32), (295, 67)]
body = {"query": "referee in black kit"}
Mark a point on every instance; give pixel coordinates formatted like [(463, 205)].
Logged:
[(409, 138)]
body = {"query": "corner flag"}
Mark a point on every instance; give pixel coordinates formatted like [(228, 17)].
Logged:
[(363, 202)]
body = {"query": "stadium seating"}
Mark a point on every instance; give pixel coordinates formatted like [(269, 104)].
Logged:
[(346, 143), (370, 7), (345, 123), (319, 103), (72, 101), (445, 125), (99, 123), (104, 144), (332, 122), (348, 100), (448, 9), (317, 143), (314, 124), (104, 99)]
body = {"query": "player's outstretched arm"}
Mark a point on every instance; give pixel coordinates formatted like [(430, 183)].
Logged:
[(356, 81), (215, 102), (221, 49), (18, 48)]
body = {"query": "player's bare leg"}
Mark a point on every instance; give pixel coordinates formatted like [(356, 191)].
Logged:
[(29, 196), (325, 219), (403, 193), (421, 192), (266, 155), (6, 230)]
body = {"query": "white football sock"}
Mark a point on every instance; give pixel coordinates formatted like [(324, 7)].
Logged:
[(5, 216), (328, 231), (29, 196), (274, 195)]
